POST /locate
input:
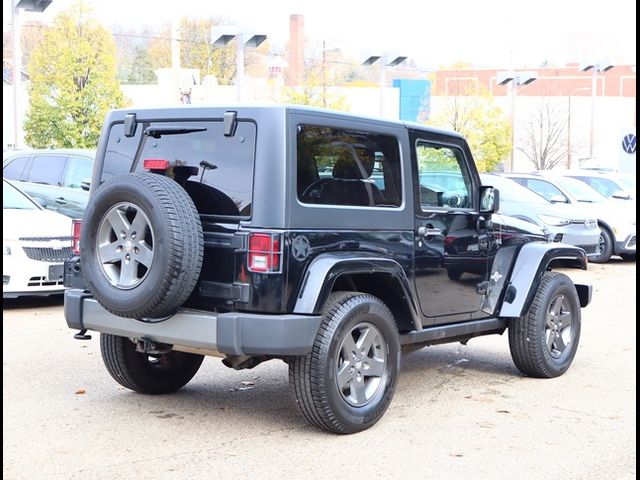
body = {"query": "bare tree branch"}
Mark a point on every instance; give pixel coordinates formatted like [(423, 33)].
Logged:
[(544, 137)]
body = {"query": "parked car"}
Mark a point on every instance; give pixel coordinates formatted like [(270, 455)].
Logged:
[(57, 179), (617, 220), (35, 243), (607, 184), (562, 223)]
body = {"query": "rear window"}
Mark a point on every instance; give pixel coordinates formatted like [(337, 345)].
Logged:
[(216, 171)]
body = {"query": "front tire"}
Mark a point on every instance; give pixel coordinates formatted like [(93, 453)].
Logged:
[(605, 247), (544, 341), (144, 373), (346, 383)]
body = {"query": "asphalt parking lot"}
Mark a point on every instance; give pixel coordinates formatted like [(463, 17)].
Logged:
[(459, 411)]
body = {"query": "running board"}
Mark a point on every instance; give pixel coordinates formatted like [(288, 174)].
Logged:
[(453, 332)]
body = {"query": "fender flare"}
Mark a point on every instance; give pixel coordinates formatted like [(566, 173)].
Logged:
[(532, 261), (325, 269)]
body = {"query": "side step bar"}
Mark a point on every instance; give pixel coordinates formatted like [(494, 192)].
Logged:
[(453, 332)]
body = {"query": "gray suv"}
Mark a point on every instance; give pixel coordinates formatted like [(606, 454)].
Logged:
[(57, 179)]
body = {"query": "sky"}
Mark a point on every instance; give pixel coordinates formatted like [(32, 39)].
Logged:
[(491, 33)]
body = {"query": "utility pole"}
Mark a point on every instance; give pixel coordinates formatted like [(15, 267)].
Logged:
[(324, 74)]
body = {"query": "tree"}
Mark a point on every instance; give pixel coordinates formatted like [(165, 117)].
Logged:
[(317, 77), (141, 69), (484, 125), (30, 38), (73, 82), (544, 136), (197, 51)]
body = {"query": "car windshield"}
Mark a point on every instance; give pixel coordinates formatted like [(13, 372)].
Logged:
[(12, 198), (628, 182), (512, 191), (580, 190)]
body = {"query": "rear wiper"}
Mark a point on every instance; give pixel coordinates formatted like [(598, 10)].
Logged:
[(157, 132)]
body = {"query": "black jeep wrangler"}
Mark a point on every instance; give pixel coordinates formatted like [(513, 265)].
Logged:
[(326, 240)]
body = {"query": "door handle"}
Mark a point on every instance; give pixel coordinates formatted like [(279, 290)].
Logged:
[(61, 201), (429, 232)]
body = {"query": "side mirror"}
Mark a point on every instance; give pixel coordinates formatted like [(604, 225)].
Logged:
[(489, 200), (558, 199), (621, 195), (85, 185), (40, 201)]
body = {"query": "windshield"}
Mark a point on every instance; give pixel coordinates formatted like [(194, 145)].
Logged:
[(12, 198), (512, 191), (628, 182), (580, 190)]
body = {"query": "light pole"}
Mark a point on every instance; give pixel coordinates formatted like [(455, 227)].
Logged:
[(386, 60), (16, 70), (222, 35), (595, 68), (569, 124), (513, 79)]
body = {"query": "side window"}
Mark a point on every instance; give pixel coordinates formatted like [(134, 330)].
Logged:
[(546, 190), (79, 170), (47, 169), (15, 169), (347, 167), (444, 180)]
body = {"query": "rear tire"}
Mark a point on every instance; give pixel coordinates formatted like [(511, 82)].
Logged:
[(346, 383), (144, 373), (544, 341)]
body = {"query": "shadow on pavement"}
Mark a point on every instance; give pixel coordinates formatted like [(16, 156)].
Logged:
[(32, 302)]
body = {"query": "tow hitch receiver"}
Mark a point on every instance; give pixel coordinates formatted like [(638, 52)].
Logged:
[(149, 347)]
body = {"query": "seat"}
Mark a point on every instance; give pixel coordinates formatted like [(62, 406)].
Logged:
[(350, 183)]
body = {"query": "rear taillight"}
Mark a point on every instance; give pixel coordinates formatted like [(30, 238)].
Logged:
[(75, 234), (265, 252), (155, 164)]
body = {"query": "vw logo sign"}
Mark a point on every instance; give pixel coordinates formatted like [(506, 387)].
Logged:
[(629, 143)]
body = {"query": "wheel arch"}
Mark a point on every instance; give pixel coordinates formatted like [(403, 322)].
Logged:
[(533, 260), (381, 277)]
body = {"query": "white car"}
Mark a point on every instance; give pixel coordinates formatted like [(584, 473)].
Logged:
[(35, 244), (561, 222)]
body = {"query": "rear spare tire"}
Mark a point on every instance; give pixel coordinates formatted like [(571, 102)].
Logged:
[(141, 245)]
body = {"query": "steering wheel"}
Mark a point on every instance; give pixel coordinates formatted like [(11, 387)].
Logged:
[(313, 192)]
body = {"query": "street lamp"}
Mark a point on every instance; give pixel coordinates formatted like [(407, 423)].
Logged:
[(513, 79), (386, 60), (595, 68), (569, 124), (29, 6), (222, 35)]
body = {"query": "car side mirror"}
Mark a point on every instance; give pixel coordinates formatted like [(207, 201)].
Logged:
[(489, 200), (621, 195), (558, 199), (85, 185), (40, 201)]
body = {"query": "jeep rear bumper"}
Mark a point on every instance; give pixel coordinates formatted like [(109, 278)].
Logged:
[(233, 333)]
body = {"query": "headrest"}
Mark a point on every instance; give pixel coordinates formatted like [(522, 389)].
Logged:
[(354, 165)]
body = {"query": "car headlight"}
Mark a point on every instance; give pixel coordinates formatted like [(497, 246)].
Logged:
[(6, 248), (555, 221)]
